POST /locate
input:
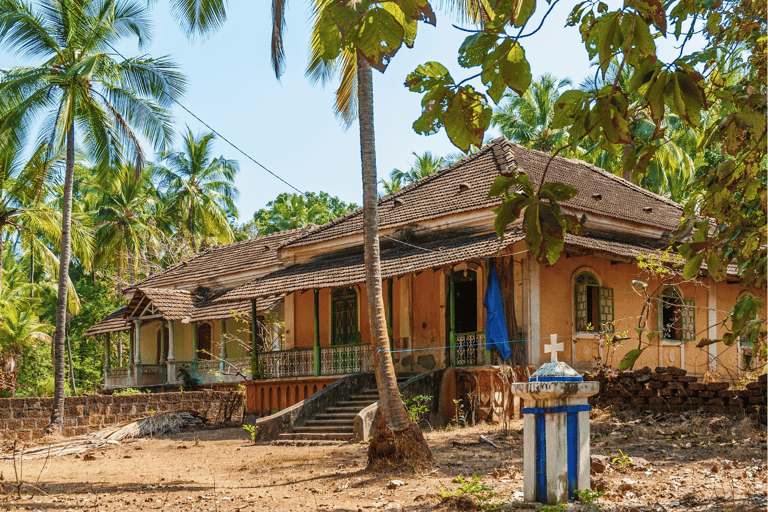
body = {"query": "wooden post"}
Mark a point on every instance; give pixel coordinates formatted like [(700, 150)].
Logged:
[(171, 361), (107, 361), (390, 326), (194, 347), (317, 332), (452, 319), (137, 353), (223, 346), (254, 340)]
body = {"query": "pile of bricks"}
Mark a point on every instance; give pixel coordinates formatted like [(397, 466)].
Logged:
[(671, 388)]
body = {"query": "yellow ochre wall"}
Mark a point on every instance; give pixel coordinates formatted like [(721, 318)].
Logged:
[(557, 306)]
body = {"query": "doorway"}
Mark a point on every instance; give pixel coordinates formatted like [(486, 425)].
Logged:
[(204, 336), (465, 318)]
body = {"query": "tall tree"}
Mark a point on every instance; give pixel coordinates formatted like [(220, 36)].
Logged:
[(424, 165), (81, 83), (527, 119), (340, 42), (200, 189), (291, 211), (124, 215)]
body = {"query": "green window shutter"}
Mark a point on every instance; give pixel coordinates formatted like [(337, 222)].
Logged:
[(606, 310), (660, 317), (581, 307), (689, 320)]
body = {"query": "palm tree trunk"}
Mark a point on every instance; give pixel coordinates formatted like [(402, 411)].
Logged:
[(71, 365), (1, 266), (59, 384), (397, 441), (191, 229)]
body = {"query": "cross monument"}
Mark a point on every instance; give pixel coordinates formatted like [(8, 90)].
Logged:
[(554, 347)]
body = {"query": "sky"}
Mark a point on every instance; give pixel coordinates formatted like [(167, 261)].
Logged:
[(288, 125)]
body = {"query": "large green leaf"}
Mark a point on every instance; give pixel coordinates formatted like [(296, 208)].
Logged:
[(466, 118), (631, 358), (377, 37), (475, 47), (428, 76)]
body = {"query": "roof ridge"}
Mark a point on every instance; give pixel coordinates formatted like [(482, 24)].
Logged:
[(617, 179), (407, 188)]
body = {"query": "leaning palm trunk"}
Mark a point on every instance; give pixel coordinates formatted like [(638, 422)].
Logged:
[(397, 440), (59, 384)]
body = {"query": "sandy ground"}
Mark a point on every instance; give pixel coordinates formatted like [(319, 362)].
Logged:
[(679, 462)]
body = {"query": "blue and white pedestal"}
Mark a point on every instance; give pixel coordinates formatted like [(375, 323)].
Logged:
[(556, 433)]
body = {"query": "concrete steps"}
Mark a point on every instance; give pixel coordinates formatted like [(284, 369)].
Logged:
[(335, 423)]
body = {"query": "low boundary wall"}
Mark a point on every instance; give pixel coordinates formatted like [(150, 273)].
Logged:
[(26, 418)]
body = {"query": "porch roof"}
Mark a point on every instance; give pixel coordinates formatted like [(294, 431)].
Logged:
[(396, 261), (114, 322)]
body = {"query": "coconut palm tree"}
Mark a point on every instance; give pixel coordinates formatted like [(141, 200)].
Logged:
[(82, 83), (393, 185), (124, 211), (424, 165), (526, 119), (200, 189)]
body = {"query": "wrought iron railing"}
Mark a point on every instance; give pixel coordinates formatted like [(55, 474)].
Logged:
[(119, 377), (345, 359), (469, 349), (287, 363)]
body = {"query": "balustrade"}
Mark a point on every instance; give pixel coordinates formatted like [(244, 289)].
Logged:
[(470, 349), (346, 359), (286, 363)]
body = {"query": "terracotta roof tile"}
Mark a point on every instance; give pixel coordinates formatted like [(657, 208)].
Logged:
[(114, 322), (440, 194), (395, 261), (222, 260)]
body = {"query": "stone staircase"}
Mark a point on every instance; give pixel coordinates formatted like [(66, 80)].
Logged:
[(336, 422)]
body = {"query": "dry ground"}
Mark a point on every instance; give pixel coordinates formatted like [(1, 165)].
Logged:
[(680, 462)]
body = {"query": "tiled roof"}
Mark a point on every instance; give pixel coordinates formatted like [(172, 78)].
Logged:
[(222, 260), (114, 322), (396, 261), (194, 306), (625, 250), (464, 187)]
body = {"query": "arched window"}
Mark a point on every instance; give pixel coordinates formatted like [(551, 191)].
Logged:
[(593, 304), (344, 316), (676, 316)]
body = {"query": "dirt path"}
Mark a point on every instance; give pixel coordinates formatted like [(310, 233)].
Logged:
[(679, 463)]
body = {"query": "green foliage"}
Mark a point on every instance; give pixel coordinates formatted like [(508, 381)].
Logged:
[(35, 372), (131, 391), (251, 429), (559, 507), (189, 381), (291, 211), (589, 498), (475, 487), (622, 460), (417, 407)]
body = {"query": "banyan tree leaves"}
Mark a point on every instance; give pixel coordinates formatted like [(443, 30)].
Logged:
[(545, 225), (375, 30)]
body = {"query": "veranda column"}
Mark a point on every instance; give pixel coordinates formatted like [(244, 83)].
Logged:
[(106, 359), (223, 347), (254, 340), (317, 333), (194, 347), (171, 361), (137, 352)]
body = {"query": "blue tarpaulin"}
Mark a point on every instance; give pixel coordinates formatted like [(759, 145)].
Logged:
[(496, 335)]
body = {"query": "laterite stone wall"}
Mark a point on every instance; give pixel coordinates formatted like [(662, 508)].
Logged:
[(670, 388), (26, 418)]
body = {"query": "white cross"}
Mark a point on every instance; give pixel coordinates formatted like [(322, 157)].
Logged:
[(554, 347)]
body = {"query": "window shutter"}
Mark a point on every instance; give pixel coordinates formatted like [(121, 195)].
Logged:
[(606, 310), (581, 307), (660, 317), (688, 312)]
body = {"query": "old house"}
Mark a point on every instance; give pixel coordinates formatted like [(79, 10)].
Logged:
[(438, 248)]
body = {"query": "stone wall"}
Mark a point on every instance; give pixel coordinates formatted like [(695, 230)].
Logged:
[(670, 388), (27, 418)]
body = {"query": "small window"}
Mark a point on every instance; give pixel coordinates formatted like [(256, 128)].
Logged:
[(594, 304), (676, 316), (344, 317)]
